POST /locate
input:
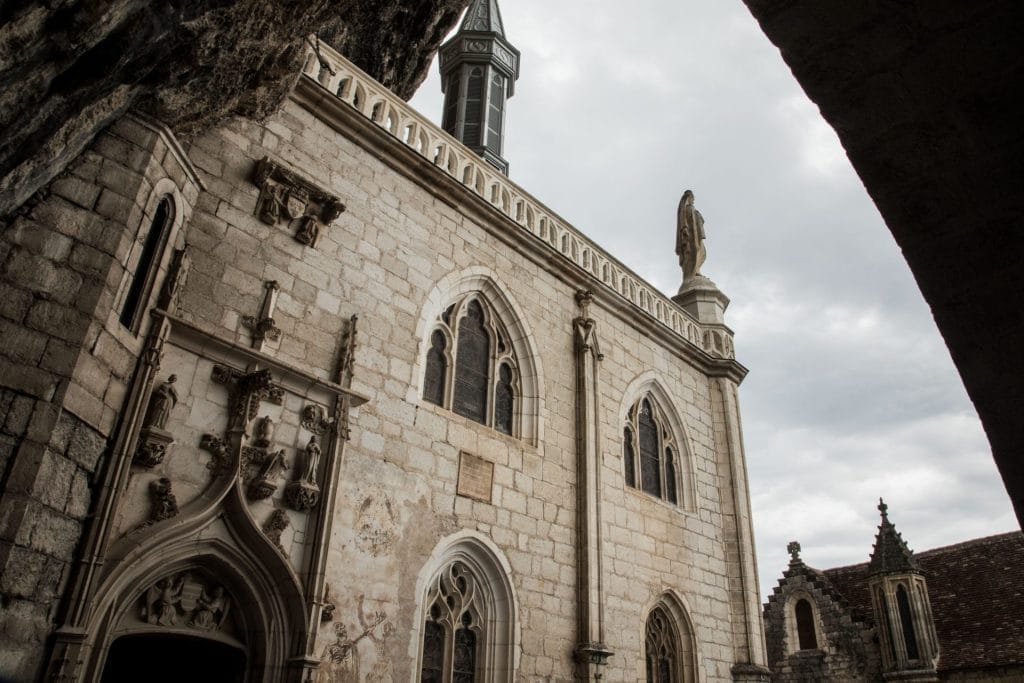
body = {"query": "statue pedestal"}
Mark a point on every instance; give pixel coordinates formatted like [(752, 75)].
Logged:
[(701, 298), (153, 445), (302, 495)]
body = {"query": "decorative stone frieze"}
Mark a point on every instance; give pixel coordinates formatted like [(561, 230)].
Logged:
[(286, 197), (184, 599)]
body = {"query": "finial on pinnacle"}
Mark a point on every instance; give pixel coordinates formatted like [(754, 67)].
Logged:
[(794, 551), (883, 508), (689, 237)]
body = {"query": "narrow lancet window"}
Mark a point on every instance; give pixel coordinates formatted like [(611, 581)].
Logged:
[(437, 369), (805, 625), (149, 261), (471, 365), (650, 452), (670, 477), (504, 399), (650, 463), (628, 457), (907, 623)]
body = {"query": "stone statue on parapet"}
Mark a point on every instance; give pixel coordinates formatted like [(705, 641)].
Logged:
[(689, 237)]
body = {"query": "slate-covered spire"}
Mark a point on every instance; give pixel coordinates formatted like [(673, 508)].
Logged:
[(890, 554), (479, 68)]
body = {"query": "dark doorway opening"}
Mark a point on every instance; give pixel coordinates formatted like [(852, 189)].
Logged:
[(159, 658)]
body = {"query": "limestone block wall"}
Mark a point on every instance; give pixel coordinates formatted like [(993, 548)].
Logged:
[(65, 362), (387, 258)]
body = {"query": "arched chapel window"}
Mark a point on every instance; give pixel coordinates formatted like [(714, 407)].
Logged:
[(662, 648), (142, 279), (454, 628), (805, 630), (650, 452), (470, 366)]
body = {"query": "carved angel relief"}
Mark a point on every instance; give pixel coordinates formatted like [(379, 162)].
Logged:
[(287, 197), (185, 599)]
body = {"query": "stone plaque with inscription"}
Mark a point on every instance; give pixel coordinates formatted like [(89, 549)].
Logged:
[(475, 477)]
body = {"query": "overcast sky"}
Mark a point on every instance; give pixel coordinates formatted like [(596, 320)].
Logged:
[(851, 393)]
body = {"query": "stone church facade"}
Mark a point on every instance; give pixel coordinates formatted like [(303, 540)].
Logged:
[(327, 397)]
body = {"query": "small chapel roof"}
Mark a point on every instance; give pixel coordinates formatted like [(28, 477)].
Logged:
[(976, 589)]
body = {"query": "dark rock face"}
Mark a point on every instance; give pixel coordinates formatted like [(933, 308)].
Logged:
[(68, 69), (925, 97)]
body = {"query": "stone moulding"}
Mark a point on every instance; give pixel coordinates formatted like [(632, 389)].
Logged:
[(286, 196), (346, 82)]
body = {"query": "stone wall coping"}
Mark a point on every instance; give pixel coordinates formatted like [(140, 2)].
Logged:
[(346, 82)]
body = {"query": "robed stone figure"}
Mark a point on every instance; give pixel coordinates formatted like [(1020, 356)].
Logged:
[(689, 237)]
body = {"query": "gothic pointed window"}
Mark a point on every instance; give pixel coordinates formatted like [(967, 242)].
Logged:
[(806, 633), (650, 454), (907, 623), (148, 263), (470, 367), (452, 629), (661, 647)]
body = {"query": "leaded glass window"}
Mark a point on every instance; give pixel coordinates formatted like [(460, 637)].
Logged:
[(453, 628), (662, 648), (476, 376), (437, 368), (472, 363), (650, 457)]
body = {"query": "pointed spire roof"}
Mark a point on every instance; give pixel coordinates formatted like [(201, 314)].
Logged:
[(890, 554), (483, 16)]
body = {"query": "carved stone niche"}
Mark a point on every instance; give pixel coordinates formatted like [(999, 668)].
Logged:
[(286, 197)]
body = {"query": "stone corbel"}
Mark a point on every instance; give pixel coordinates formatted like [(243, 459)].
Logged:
[(287, 197)]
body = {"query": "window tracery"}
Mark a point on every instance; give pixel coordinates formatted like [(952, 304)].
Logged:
[(453, 628), (470, 366), (650, 451), (662, 648)]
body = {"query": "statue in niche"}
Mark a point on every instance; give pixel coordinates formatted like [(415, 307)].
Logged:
[(313, 453), (211, 609), (264, 432), (304, 494), (161, 403), (689, 237), (162, 601)]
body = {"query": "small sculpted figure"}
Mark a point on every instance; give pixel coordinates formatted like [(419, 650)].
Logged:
[(264, 432), (689, 237), (162, 601), (211, 608), (313, 453), (161, 402), (165, 504)]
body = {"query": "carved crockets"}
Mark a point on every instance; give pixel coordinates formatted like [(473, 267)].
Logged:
[(287, 197), (154, 440)]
